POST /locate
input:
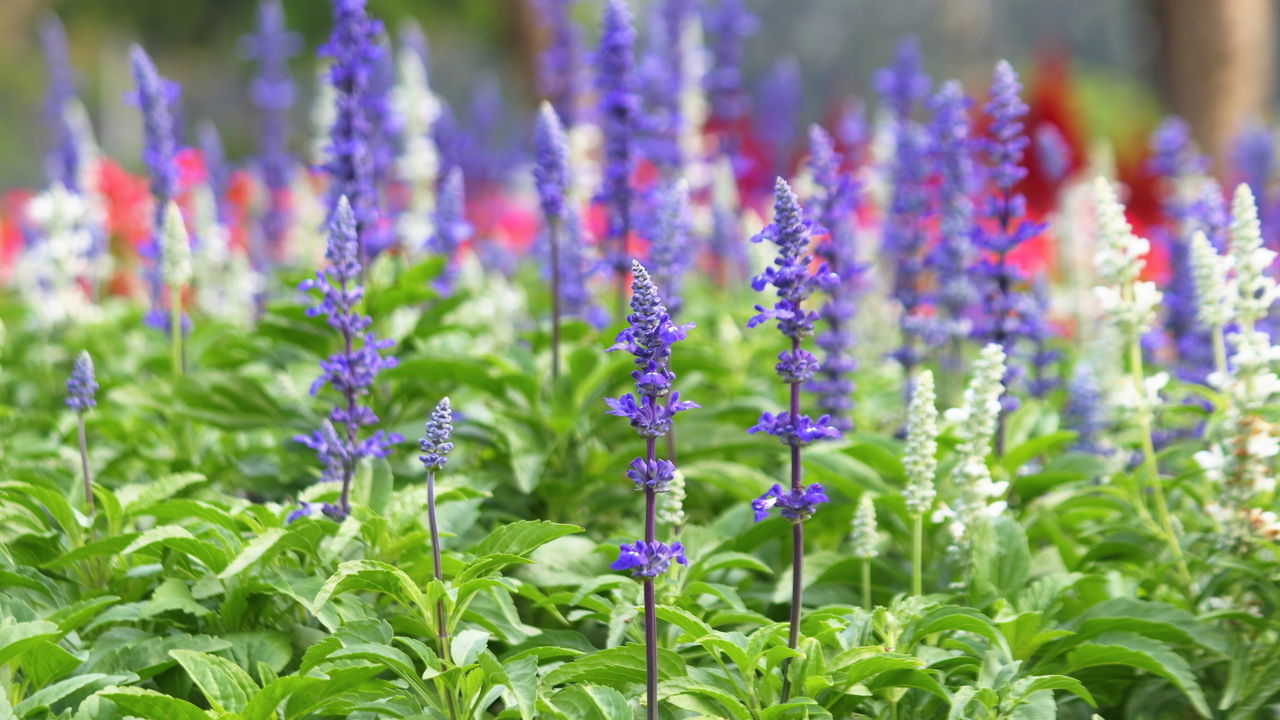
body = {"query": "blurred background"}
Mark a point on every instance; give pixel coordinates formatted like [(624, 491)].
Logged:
[(1111, 66)]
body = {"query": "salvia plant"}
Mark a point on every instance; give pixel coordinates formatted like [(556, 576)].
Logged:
[(1088, 530)]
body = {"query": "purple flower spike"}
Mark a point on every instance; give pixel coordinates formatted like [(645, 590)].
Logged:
[(618, 106), (81, 385), (272, 93), (62, 159), (1052, 152), (952, 256), (651, 474), (791, 232), (560, 70), (833, 204), (781, 97), (648, 559), (351, 371), (670, 250), (435, 443), (798, 434), (451, 226), (727, 25), (795, 506), (356, 54), (550, 162)]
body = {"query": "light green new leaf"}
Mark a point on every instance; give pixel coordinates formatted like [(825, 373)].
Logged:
[(225, 685)]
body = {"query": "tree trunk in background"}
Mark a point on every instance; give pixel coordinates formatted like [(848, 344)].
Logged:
[(1217, 62)]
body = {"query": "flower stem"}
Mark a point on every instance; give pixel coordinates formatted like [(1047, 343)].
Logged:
[(175, 329), (84, 464), (866, 583), (442, 628), (553, 237), (797, 540), (1149, 462), (650, 605), (917, 555), (1219, 351)]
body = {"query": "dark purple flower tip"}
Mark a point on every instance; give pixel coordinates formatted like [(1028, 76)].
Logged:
[(648, 560), (653, 474), (435, 442), (904, 82), (81, 385), (795, 506)]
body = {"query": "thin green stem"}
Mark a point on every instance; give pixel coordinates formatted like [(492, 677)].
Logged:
[(917, 555), (175, 328), (1152, 469), (866, 583)]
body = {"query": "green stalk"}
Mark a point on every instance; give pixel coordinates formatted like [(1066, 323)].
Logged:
[(917, 555), (866, 583), (1149, 461), (175, 328), (1219, 351)]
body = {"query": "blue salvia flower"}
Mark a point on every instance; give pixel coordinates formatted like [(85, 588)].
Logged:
[(81, 385), (727, 25), (1052, 152), (550, 162), (576, 271), (215, 167), (384, 122), (615, 83), (354, 49), (662, 75), (1005, 318), (1254, 155), (794, 283), (1039, 333), (272, 93), (352, 370), (670, 249), (901, 87), (648, 338), (1085, 411), (953, 255), (781, 97), (832, 206), (62, 158), (560, 69), (1176, 162), (436, 441), (450, 228), (648, 559)]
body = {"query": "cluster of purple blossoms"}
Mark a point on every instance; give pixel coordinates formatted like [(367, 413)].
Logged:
[(62, 159), (1053, 153), (953, 254), (793, 505), (794, 283), (670, 250), (1175, 161), (550, 162), (451, 228), (832, 205), (356, 54), (648, 338), (648, 560), (350, 371), (436, 441), (1007, 312), (902, 86), (661, 75), (560, 70), (727, 24), (81, 385), (615, 83), (781, 97), (1085, 410), (216, 172), (272, 93)]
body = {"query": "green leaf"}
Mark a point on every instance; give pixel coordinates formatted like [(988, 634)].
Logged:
[(867, 667), (1140, 652), (523, 537), (1155, 620), (685, 620), (615, 667), (592, 702), (253, 648), (151, 705), (466, 645), (371, 575), (46, 698), (181, 540), (252, 553), (225, 685), (1002, 558), (262, 706), (18, 637), (731, 706), (1058, 682)]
